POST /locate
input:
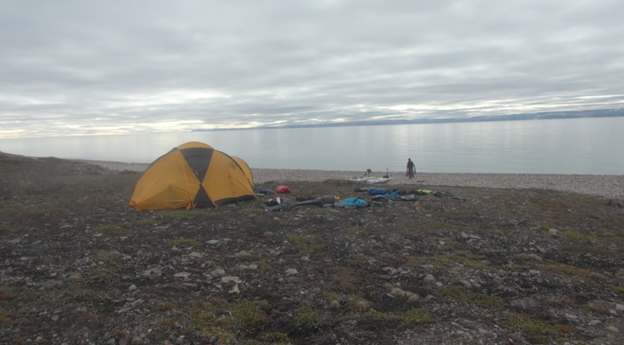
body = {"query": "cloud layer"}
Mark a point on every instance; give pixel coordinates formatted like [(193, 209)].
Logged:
[(83, 67)]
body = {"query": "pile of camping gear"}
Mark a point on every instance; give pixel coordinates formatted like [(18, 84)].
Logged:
[(380, 197)]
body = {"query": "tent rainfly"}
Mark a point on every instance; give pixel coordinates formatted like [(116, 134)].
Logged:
[(193, 175)]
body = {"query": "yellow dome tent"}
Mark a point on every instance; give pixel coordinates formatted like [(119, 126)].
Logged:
[(193, 175)]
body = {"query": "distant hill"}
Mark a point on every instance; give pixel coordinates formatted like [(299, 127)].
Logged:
[(552, 115), (513, 117)]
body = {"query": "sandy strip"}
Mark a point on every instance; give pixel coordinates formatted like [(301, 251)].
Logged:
[(607, 186)]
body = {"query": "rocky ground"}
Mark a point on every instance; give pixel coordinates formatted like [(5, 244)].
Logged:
[(488, 266)]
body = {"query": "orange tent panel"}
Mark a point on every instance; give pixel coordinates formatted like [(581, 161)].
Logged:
[(193, 175)]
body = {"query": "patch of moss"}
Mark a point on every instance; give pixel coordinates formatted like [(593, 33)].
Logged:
[(304, 316), (357, 260), (354, 303), (7, 290), (345, 277), (251, 315), (147, 222), (184, 241), (540, 330), (211, 319), (598, 309), (84, 294), (580, 249), (358, 304), (617, 289), (275, 338), (307, 244), (4, 317), (166, 324), (466, 258), (165, 306), (461, 293), (264, 266), (575, 273), (110, 259), (10, 210), (333, 298), (186, 214), (418, 315)]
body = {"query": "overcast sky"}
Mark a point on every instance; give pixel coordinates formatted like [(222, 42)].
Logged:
[(97, 67)]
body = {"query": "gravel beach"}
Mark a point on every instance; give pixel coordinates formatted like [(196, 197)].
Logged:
[(607, 186)]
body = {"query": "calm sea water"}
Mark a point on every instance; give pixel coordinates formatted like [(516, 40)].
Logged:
[(571, 146)]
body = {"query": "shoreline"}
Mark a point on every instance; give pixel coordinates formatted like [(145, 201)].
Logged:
[(606, 186)]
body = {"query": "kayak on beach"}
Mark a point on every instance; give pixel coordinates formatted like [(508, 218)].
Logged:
[(371, 180), (378, 180)]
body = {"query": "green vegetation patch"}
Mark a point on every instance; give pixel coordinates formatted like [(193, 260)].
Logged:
[(461, 293), (186, 214), (222, 320), (112, 229), (184, 241), (212, 319), (10, 209), (463, 257), (581, 249), (264, 266), (141, 222), (251, 314), (576, 273), (418, 315), (346, 278), (110, 259), (305, 315), (250, 210), (354, 303), (6, 292), (540, 330), (86, 295), (546, 225), (617, 289), (307, 244), (167, 324), (4, 317), (319, 210), (358, 260)]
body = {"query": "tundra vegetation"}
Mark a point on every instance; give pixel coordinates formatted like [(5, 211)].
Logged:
[(79, 266)]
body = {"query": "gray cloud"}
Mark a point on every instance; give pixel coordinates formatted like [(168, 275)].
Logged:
[(76, 67)]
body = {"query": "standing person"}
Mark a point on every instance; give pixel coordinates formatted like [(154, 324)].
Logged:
[(411, 168)]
